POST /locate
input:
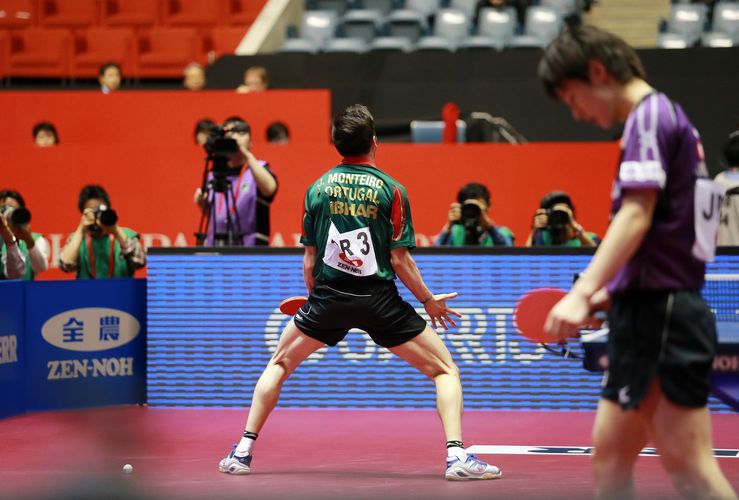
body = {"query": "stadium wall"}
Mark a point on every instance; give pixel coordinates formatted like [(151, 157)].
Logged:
[(401, 87)]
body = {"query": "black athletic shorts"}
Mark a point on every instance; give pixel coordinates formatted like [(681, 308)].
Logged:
[(375, 307), (670, 334)]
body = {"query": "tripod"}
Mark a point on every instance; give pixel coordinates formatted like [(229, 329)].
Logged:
[(219, 182)]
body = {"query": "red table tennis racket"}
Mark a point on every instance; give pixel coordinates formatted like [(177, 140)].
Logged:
[(291, 305), (532, 310)]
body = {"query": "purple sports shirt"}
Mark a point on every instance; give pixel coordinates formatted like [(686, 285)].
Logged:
[(661, 149)]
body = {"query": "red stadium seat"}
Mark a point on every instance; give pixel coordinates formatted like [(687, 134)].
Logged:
[(96, 46), (192, 13), (39, 52), (225, 39), (17, 13), (68, 13), (131, 13), (164, 52), (242, 12)]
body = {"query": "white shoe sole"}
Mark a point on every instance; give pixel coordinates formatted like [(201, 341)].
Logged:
[(487, 475), (235, 469)]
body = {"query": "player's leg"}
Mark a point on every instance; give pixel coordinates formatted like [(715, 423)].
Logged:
[(293, 347), (427, 353), (618, 437), (678, 418), (683, 439)]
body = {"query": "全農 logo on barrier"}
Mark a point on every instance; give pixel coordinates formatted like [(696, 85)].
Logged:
[(90, 329)]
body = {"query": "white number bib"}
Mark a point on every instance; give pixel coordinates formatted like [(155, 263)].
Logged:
[(351, 252), (709, 196)]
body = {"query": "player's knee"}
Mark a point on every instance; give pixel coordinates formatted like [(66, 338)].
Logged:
[(283, 363), (690, 482), (677, 462), (608, 453), (448, 369), (439, 368)]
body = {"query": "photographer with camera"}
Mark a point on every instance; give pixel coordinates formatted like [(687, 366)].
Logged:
[(555, 225), (33, 246), (237, 189), (100, 248), (469, 223)]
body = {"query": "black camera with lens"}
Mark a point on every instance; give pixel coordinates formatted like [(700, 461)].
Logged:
[(470, 215), (104, 216), (17, 216), (218, 145), (470, 219), (220, 149), (557, 222)]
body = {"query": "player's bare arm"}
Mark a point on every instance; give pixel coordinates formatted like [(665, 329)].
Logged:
[(309, 261), (405, 267)]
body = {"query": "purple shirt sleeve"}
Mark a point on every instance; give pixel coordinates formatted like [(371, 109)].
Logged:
[(644, 161)]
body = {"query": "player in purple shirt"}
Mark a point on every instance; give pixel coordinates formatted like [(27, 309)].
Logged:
[(651, 263)]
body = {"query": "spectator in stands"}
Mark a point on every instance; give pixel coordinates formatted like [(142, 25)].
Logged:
[(252, 189), (109, 77), (99, 247), (45, 135), (728, 231), (33, 246), (194, 77), (256, 79), (469, 223), (555, 224), (519, 5), (202, 130), (12, 262), (278, 133)]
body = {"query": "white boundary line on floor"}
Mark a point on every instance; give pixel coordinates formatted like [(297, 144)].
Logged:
[(484, 449)]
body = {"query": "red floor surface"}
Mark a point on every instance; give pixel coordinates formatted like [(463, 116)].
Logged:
[(334, 454)]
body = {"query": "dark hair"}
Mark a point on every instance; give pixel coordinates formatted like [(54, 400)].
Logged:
[(731, 150), (473, 190), (46, 127), (90, 192), (568, 57), (353, 130), (237, 119), (9, 193), (276, 131), (204, 125), (555, 197), (109, 64)]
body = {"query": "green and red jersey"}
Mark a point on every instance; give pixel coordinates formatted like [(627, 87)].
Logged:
[(355, 214)]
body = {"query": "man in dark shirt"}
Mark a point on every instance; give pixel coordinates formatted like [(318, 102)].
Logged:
[(651, 262), (357, 232)]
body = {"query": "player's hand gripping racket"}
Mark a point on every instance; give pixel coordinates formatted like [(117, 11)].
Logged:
[(531, 314), (291, 305)]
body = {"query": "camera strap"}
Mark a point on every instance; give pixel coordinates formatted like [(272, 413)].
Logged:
[(236, 194), (91, 255)]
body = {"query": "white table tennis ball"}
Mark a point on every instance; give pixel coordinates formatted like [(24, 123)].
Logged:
[(128, 468)]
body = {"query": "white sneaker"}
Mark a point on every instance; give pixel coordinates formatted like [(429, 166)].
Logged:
[(232, 464), (471, 468)]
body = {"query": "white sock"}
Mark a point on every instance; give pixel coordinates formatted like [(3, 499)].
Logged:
[(244, 447), (456, 452)]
